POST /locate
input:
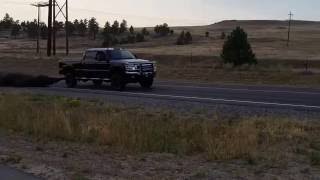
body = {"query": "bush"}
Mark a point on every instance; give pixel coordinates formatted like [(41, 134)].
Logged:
[(163, 30), (184, 38), (139, 37), (207, 34), (237, 49)]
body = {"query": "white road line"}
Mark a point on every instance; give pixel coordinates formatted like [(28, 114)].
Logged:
[(240, 89), (189, 98)]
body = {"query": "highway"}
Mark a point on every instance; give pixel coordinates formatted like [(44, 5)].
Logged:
[(269, 97)]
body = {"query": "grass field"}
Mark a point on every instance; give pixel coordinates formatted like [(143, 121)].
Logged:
[(137, 130), (200, 61)]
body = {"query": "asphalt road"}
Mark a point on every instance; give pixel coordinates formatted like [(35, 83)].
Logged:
[(7, 173), (264, 96), (189, 95)]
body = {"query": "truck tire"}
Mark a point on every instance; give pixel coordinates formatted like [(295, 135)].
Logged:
[(97, 83), (118, 82), (71, 81), (146, 83)]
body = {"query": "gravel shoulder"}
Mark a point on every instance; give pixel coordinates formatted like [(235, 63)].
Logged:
[(59, 160)]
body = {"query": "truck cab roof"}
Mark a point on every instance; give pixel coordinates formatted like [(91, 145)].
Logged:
[(103, 49)]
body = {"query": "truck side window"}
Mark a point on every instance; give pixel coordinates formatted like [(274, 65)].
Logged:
[(101, 56), (91, 55)]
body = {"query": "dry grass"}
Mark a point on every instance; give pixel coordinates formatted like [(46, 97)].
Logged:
[(135, 130), (211, 69)]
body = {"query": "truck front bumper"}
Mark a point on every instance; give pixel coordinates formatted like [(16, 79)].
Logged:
[(137, 76)]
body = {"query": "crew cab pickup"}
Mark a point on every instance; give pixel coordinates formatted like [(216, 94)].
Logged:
[(118, 66)]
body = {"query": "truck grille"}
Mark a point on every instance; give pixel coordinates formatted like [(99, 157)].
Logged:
[(147, 67)]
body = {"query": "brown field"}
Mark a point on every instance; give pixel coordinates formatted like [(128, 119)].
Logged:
[(70, 137), (200, 61)]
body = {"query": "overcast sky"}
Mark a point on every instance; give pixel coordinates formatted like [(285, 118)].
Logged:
[(174, 12)]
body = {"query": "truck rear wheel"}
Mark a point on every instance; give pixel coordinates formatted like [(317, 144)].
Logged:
[(146, 83), (71, 81), (118, 82)]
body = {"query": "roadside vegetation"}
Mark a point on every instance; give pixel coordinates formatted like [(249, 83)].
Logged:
[(137, 130)]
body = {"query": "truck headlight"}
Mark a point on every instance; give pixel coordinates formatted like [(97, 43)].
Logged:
[(132, 67)]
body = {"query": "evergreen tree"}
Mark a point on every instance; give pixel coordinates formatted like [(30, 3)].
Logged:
[(76, 25), (131, 30), (7, 22), (93, 27), (145, 32), (107, 29), (71, 28), (115, 28), (162, 30), (82, 28), (43, 30), (123, 26), (181, 38), (237, 49), (31, 28), (188, 38), (15, 30)]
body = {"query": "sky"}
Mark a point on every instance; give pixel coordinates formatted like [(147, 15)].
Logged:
[(145, 13)]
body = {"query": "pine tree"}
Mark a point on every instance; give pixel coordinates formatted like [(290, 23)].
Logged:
[(107, 29), (188, 38), (82, 28), (15, 30), (145, 32), (237, 49), (131, 30), (181, 38), (115, 28), (93, 27), (123, 26)]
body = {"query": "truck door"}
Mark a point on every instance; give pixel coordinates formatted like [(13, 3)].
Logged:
[(102, 65), (86, 69)]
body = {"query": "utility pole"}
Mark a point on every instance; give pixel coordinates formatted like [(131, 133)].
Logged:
[(54, 28), (65, 14), (39, 5), (49, 43), (67, 28), (289, 28)]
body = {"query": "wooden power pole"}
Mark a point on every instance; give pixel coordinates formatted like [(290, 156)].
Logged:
[(54, 28), (289, 28), (49, 42)]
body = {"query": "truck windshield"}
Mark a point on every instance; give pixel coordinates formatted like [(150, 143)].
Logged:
[(121, 54)]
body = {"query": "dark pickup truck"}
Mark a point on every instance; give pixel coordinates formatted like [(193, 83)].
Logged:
[(117, 66)]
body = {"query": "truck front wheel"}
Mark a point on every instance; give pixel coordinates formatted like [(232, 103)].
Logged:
[(118, 82), (146, 83), (71, 81)]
